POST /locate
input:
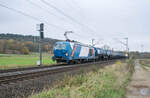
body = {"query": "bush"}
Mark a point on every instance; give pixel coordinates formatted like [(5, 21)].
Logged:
[(130, 66), (25, 50)]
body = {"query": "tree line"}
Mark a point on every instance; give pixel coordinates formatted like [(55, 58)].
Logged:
[(20, 44)]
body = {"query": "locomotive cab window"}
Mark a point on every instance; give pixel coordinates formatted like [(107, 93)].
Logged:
[(60, 46)]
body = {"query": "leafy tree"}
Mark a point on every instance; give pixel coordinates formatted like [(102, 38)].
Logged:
[(46, 47), (1, 46), (14, 43), (29, 44)]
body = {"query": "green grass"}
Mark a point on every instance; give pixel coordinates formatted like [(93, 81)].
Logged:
[(17, 61), (109, 82)]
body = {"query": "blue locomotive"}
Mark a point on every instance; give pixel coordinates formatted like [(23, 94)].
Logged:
[(65, 51), (74, 52)]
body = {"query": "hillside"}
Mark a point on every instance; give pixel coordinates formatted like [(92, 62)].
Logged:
[(20, 44), (26, 38)]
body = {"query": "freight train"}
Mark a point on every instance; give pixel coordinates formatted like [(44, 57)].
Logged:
[(75, 52)]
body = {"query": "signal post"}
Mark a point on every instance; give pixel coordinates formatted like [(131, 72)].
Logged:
[(40, 28)]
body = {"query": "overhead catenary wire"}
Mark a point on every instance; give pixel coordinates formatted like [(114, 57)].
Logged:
[(72, 5), (58, 10), (38, 6), (29, 16), (71, 23), (66, 15), (76, 5), (121, 44)]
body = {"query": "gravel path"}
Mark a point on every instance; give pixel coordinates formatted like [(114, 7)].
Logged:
[(139, 87)]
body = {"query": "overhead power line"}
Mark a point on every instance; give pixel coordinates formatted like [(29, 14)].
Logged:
[(58, 10), (62, 19), (74, 6), (38, 6), (66, 15), (31, 17)]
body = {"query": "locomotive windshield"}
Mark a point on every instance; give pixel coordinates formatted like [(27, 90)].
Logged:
[(60, 46)]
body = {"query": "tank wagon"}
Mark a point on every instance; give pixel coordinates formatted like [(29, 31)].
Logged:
[(74, 52)]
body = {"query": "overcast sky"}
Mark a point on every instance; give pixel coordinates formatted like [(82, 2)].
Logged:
[(104, 20)]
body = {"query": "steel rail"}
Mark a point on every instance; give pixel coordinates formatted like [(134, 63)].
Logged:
[(29, 68), (13, 77)]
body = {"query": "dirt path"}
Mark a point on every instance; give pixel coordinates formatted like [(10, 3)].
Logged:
[(139, 87)]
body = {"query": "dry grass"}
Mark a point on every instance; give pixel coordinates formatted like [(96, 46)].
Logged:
[(145, 64), (109, 82)]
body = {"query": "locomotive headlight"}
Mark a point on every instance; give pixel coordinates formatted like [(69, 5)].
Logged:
[(66, 54)]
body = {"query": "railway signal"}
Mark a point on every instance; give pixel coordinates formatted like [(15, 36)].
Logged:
[(40, 28), (42, 31)]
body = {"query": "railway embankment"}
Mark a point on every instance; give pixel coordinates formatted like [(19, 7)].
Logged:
[(139, 87), (23, 87), (109, 82)]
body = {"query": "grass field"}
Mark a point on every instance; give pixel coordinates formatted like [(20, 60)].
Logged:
[(145, 63), (16, 61), (109, 82)]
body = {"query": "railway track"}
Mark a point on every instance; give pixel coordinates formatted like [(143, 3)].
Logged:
[(31, 73), (29, 68)]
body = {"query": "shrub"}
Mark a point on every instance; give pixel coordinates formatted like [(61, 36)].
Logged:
[(25, 50)]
